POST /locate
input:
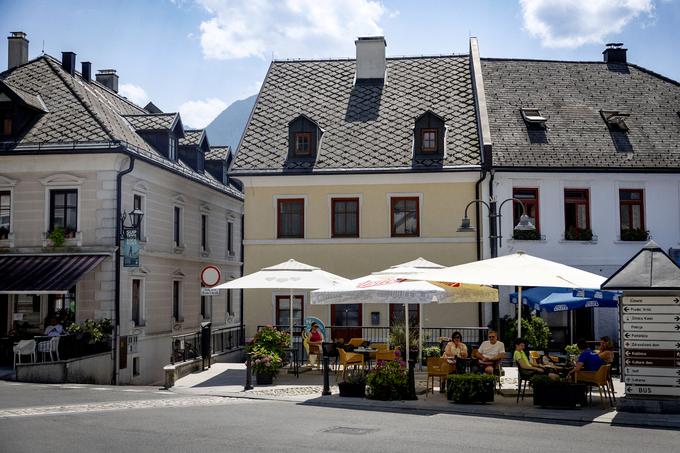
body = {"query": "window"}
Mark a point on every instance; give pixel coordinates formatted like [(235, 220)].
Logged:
[(429, 140), (345, 217), (291, 218), (230, 239), (405, 213), (5, 213), (615, 120), (137, 204), (204, 232), (136, 370), (136, 302), (177, 300), (283, 310), (533, 118), (530, 199), (172, 148), (177, 222), (229, 308), (7, 126), (64, 211), (576, 209), (631, 209), (62, 305), (303, 144)]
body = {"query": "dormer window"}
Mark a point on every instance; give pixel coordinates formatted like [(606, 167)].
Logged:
[(533, 118), (429, 140), (7, 126), (172, 148), (615, 120), (303, 144)]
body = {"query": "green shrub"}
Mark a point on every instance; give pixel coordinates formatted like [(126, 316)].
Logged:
[(398, 336), (387, 381), (356, 376), (57, 236), (578, 234), (534, 330), (572, 349), (432, 351), (264, 361), (526, 235), (470, 387), (634, 234)]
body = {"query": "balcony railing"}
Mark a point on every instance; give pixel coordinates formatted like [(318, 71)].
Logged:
[(188, 346)]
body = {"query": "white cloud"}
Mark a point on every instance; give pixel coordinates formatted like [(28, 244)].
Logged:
[(287, 28), (134, 93), (199, 114), (572, 23)]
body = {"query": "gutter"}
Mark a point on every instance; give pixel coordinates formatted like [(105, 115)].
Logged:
[(116, 326)]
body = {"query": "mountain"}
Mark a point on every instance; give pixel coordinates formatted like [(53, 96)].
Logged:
[(227, 127)]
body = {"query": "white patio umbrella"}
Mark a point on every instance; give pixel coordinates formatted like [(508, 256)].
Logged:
[(518, 269), (398, 285), (291, 275)]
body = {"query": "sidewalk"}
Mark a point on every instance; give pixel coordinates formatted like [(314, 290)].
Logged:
[(227, 379)]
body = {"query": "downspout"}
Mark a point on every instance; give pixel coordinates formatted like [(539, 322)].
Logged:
[(478, 217), (116, 327), (243, 260)]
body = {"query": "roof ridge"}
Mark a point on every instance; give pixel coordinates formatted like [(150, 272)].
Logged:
[(86, 105), (348, 59), (152, 114)]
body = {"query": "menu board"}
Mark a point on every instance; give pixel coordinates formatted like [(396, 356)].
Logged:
[(650, 334)]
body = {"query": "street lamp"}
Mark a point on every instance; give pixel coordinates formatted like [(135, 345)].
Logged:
[(130, 222), (495, 233)]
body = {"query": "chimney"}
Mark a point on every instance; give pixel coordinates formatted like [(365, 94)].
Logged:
[(17, 49), (615, 53), (370, 58), (68, 62), (86, 71), (108, 78)]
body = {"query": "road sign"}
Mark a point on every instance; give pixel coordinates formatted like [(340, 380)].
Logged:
[(652, 309), (648, 390), (652, 327), (648, 353), (651, 344), (210, 276), (667, 336), (652, 380), (210, 292), (651, 300), (654, 361), (651, 318), (653, 371)]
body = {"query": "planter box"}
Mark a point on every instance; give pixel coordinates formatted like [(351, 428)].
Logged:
[(264, 379), (560, 395), (470, 388), (352, 390)]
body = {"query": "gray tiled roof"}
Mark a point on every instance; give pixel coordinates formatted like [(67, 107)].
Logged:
[(364, 127), (152, 121), (192, 137), (570, 95), (86, 113), (218, 153)]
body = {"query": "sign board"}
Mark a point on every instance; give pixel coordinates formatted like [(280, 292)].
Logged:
[(210, 292), (210, 276), (130, 251), (650, 333)]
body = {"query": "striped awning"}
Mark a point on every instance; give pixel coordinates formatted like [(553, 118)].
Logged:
[(44, 274)]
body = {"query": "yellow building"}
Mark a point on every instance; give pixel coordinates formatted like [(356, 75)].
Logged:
[(354, 166)]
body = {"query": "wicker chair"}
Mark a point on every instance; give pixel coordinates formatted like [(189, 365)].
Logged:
[(599, 379), (437, 367), (348, 358)]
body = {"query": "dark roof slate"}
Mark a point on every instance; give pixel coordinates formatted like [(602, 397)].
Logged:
[(570, 95), (218, 153), (152, 121), (192, 137), (365, 127)]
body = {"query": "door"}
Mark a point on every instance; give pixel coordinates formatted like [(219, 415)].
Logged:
[(346, 321), (583, 324)]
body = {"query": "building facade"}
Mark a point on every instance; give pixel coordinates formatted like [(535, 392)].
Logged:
[(74, 157)]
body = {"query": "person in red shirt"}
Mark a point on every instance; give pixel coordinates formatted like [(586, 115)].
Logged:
[(314, 339)]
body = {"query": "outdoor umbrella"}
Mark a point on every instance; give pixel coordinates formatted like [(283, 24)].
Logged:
[(291, 275), (398, 285), (518, 269)]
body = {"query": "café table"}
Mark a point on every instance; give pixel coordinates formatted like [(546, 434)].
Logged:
[(366, 352)]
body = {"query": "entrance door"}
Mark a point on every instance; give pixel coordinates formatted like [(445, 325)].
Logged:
[(583, 324), (346, 321)]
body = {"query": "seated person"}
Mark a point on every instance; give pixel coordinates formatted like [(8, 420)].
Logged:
[(54, 329), (455, 349), (490, 352), (588, 360), (314, 340), (525, 367), (606, 352)]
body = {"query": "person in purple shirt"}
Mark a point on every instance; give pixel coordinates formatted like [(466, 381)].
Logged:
[(588, 360)]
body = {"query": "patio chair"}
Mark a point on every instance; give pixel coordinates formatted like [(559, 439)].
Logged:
[(597, 379), (437, 367), (356, 342), (385, 355), (50, 347), (523, 379), (330, 350), (24, 347), (348, 358)]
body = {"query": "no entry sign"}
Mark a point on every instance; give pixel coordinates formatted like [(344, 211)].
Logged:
[(210, 276)]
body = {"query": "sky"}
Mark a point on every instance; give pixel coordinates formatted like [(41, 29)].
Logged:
[(199, 56)]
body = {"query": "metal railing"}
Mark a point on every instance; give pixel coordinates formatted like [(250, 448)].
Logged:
[(188, 346)]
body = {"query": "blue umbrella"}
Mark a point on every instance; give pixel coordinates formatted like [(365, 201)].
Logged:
[(558, 302), (532, 297), (598, 294)]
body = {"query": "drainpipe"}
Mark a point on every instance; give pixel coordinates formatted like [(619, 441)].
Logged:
[(243, 260), (116, 326), (478, 216), (493, 233)]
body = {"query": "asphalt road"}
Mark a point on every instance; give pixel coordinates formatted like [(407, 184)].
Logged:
[(114, 420)]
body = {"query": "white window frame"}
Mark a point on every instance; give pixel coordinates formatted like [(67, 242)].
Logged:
[(63, 181), (142, 304)]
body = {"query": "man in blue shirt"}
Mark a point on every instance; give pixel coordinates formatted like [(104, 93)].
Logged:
[(588, 360)]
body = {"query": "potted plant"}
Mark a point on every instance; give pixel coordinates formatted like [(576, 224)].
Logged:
[(354, 384), (470, 388), (634, 234), (557, 393), (578, 234), (572, 351), (265, 364), (388, 381), (57, 237), (431, 351)]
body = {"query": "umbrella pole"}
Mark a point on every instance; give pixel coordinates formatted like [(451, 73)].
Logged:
[(519, 312), (571, 326), (420, 337), (406, 334), (291, 318)]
